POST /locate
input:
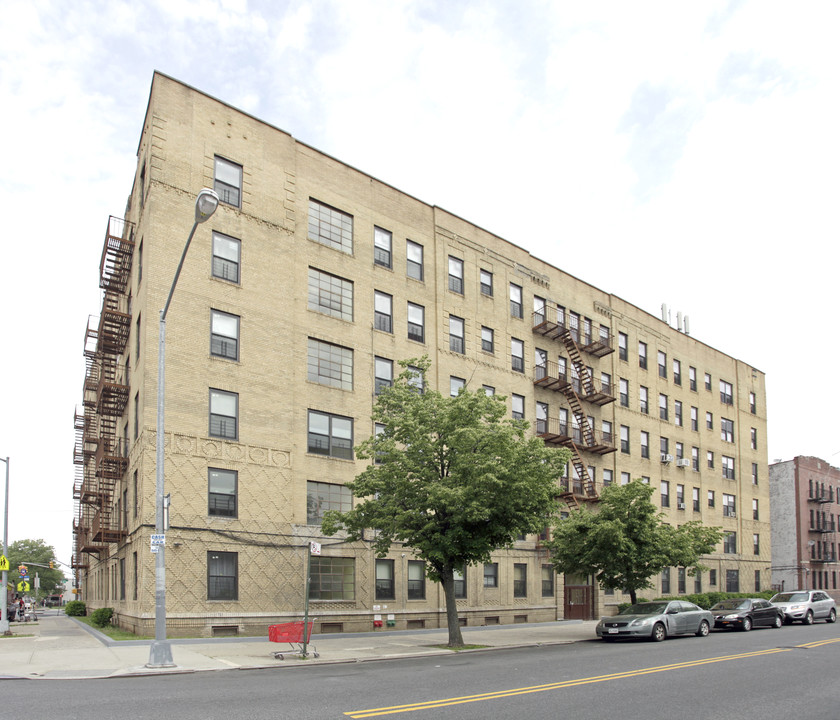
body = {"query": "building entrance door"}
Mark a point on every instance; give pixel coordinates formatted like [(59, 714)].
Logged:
[(577, 599)]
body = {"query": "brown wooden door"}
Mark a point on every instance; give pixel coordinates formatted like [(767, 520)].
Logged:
[(577, 602)]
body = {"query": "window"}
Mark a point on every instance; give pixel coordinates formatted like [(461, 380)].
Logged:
[(539, 310), (707, 380), (332, 578), (330, 295), (728, 505), (692, 378), (515, 301), (491, 575), (728, 465), (222, 575), (607, 477), (624, 435), (730, 543), (757, 577), (228, 181), (330, 435), (695, 459), (711, 498), (416, 322), (677, 372), (681, 580), (541, 417), (330, 227), (645, 438), (321, 496), (460, 579), (752, 403), (666, 581), (678, 450), (520, 580), (624, 392), (710, 421), (486, 283), (224, 335), (606, 432), (136, 414), (754, 473), (415, 380), (710, 459), (384, 579), (487, 339), (456, 334), (224, 411), (681, 497), (222, 492), (416, 589), (712, 577), (383, 374), (695, 499), (413, 260), (622, 346), (643, 399), (678, 418), (664, 449), (753, 438), (517, 403), (489, 390), (732, 581), (547, 580), (382, 311), (517, 355), (381, 247), (665, 493), (456, 275), (329, 364), (455, 385), (725, 392), (755, 508), (642, 355), (662, 362), (226, 252), (695, 425), (727, 430), (625, 478), (663, 407)]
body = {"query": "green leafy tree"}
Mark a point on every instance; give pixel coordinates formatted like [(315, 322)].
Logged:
[(624, 542), (453, 479), (26, 552)]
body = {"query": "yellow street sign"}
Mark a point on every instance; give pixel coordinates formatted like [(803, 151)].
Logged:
[(4, 563), (23, 586)]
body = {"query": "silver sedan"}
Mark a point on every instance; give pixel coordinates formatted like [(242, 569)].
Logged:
[(656, 620)]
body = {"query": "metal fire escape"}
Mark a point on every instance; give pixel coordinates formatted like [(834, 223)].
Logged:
[(577, 386), (99, 454)]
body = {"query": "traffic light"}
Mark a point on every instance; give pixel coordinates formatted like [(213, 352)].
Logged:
[(51, 564)]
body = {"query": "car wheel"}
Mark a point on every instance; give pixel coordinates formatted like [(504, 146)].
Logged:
[(746, 626), (659, 633), (703, 630), (809, 618), (777, 621), (832, 616)]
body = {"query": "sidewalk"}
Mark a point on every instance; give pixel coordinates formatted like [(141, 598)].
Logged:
[(58, 647)]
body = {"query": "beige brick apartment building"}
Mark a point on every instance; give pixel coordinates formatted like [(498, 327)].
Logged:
[(296, 301)]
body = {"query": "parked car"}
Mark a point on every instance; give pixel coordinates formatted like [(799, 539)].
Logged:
[(805, 606), (746, 613), (656, 621)]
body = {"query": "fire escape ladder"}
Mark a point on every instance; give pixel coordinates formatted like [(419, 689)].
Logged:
[(586, 432), (583, 373)]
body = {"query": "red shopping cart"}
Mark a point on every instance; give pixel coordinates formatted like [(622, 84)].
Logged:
[(292, 633)]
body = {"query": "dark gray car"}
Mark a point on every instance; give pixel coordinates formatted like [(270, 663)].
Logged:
[(656, 620)]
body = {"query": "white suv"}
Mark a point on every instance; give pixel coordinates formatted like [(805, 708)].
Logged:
[(805, 606)]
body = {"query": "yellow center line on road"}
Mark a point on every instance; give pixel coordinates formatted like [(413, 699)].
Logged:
[(430, 704)]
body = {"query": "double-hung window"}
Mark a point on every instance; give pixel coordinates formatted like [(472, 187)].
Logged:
[(455, 385), (221, 492), (330, 435), (384, 579), (662, 361), (624, 392), (642, 355), (727, 430), (624, 437), (622, 346), (228, 181), (224, 335), (383, 374), (330, 295), (645, 443), (692, 378), (517, 403), (456, 275), (643, 399), (459, 578), (381, 247), (730, 545), (382, 311), (416, 322), (486, 282), (725, 392), (224, 414), (222, 575), (520, 580), (663, 407), (678, 414), (456, 334), (491, 575), (728, 465), (487, 339), (677, 372), (330, 227), (413, 260), (416, 589), (329, 364), (226, 253), (515, 301), (517, 355), (321, 496)]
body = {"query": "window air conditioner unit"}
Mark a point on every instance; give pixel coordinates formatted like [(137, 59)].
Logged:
[(680, 506), (666, 457), (683, 462)]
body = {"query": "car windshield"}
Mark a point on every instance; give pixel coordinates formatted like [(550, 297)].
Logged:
[(790, 597), (734, 604), (651, 608)]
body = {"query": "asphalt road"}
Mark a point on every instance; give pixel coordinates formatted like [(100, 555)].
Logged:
[(761, 675)]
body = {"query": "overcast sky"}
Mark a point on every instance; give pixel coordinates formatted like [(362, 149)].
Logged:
[(675, 152)]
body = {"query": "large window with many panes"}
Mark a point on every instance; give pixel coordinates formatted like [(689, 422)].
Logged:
[(330, 227)]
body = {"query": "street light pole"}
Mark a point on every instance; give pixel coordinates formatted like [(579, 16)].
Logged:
[(4, 602), (160, 652)]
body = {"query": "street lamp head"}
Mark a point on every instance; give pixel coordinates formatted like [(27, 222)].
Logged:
[(205, 205)]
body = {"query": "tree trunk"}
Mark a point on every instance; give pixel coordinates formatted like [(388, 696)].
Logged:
[(632, 596), (448, 582)]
